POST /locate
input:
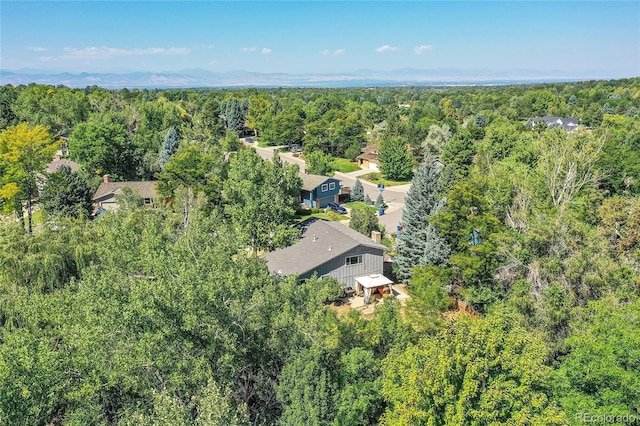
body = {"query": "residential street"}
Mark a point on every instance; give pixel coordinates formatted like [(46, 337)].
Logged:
[(393, 196)]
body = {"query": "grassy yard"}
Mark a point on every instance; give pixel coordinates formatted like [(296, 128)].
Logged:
[(345, 166), (36, 217), (352, 204), (377, 178), (327, 216)]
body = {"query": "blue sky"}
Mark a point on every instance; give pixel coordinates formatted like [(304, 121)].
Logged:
[(578, 38)]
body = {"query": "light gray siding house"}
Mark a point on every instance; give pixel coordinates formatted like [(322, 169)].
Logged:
[(328, 249)]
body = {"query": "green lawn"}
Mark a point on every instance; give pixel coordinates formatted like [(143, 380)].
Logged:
[(352, 204), (327, 216), (36, 217), (344, 165), (376, 178)]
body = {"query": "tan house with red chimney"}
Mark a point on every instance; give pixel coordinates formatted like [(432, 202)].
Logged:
[(105, 197)]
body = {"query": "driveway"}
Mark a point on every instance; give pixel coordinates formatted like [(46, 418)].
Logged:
[(393, 195)]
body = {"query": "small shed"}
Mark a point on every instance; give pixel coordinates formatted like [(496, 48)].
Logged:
[(371, 283)]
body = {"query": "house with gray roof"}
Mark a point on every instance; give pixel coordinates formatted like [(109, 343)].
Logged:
[(105, 197), (329, 249), (318, 191), (58, 162), (567, 124)]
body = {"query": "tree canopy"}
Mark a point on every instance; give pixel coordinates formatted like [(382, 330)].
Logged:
[(519, 251)]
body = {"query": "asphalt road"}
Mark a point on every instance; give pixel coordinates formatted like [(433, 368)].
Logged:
[(393, 196)]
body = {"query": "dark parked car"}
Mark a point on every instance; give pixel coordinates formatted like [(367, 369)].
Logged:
[(336, 208)]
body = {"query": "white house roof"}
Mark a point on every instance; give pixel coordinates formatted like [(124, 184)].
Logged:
[(372, 281)]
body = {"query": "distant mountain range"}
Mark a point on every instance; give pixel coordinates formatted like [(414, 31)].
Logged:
[(360, 78)]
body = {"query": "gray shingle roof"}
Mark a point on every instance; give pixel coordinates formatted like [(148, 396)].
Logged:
[(144, 189), (56, 164), (311, 182), (321, 241)]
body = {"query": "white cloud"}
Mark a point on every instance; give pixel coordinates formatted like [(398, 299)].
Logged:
[(386, 48), (337, 52), (111, 52), (421, 49), (36, 49), (264, 50)]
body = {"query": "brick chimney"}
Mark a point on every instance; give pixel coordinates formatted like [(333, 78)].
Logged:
[(376, 236), (106, 178)]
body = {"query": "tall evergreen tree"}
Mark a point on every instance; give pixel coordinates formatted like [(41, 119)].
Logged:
[(395, 158), (357, 192), (169, 146), (379, 201), (234, 113), (66, 193), (418, 243)]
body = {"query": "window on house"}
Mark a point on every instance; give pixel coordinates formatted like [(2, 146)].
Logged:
[(324, 187), (332, 185), (353, 260)]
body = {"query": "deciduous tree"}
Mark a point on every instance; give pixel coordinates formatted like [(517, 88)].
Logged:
[(601, 372), (568, 163), (104, 148), (319, 163), (364, 220), (260, 198), (24, 152), (475, 371)]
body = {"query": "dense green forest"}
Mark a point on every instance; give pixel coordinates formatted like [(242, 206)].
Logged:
[(167, 316)]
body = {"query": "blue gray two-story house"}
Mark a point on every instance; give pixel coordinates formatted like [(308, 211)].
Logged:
[(318, 191), (329, 249)]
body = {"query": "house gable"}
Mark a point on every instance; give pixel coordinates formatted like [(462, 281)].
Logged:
[(349, 265), (318, 191), (323, 249), (105, 195)]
